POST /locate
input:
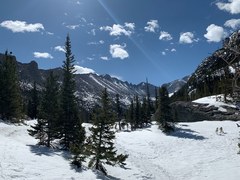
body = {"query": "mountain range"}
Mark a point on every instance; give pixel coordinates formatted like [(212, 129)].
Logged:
[(89, 86)]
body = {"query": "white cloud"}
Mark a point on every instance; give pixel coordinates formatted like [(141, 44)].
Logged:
[(215, 33), (84, 19), (105, 58), (90, 58), (50, 33), (73, 27), (233, 23), (118, 51), (152, 26), (173, 50), (21, 26), (187, 38), (165, 36), (163, 53), (233, 6), (117, 29), (96, 43), (131, 26), (44, 55), (83, 70), (60, 49), (93, 32)]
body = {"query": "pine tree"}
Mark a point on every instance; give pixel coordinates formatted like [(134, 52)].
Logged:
[(10, 98), (34, 102), (156, 98), (137, 113), (130, 115), (163, 114), (50, 108), (71, 122), (46, 129), (144, 112), (101, 142), (38, 131), (149, 107), (119, 111)]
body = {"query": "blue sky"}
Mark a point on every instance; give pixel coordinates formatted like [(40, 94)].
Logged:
[(161, 40)]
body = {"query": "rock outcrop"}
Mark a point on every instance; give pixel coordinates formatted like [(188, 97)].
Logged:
[(191, 112)]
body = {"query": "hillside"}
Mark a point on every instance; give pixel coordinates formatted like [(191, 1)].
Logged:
[(217, 74)]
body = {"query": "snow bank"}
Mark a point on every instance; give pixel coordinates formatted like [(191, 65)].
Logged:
[(216, 101)]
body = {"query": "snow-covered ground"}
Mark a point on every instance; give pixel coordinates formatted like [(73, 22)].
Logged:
[(194, 152)]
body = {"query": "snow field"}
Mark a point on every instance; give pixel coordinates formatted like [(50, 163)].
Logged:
[(193, 152)]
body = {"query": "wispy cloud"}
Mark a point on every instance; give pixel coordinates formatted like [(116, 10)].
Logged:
[(83, 70), (93, 32), (117, 30), (233, 6), (78, 3), (73, 27), (50, 33), (105, 58), (60, 49), (21, 26), (43, 55), (215, 33), (118, 51), (152, 26), (233, 23), (96, 43), (187, 38), (163, 53), (165, 36)]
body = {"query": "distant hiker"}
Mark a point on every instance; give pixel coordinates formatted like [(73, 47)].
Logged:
[(221, 130), (239, 148), (216, 130)]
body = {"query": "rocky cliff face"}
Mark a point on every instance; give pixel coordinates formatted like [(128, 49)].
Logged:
[(222, 64), (192, 112)]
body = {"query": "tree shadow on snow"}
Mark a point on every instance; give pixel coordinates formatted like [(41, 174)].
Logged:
[(100, 175), (43, 150), (187, 134)]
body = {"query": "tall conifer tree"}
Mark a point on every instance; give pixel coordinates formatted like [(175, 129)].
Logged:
[(71, 122), (10, 98), (101, 142), (47, 128), (50, 108), (119, 111), (34, 102), (163, 114)]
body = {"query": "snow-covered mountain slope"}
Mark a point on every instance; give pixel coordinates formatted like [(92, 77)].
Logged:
[(175, 85), (193, 152), (89, 86)]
